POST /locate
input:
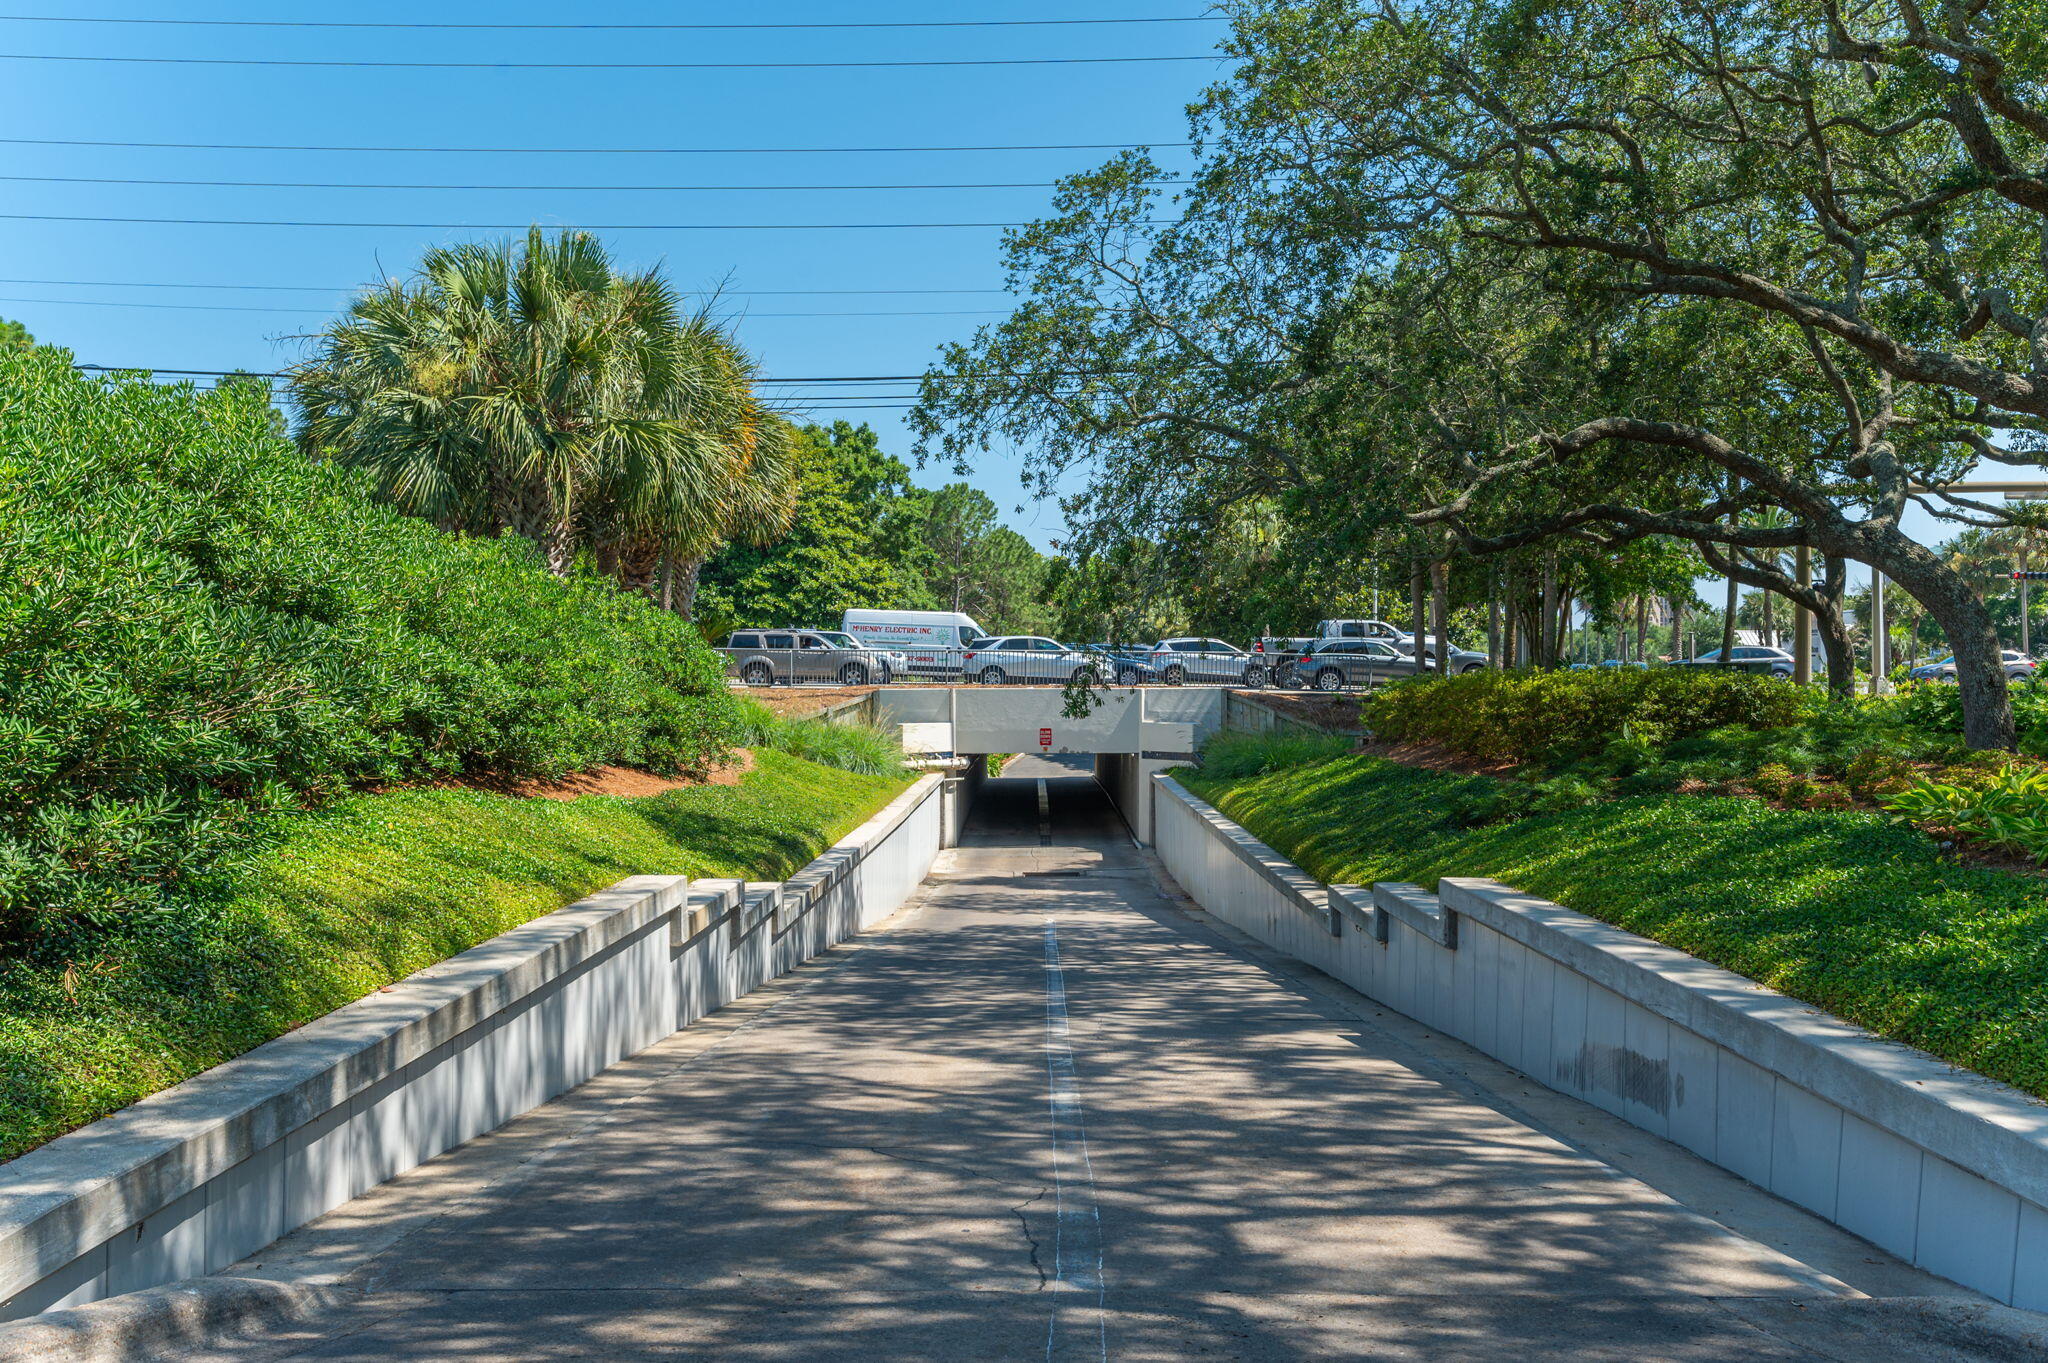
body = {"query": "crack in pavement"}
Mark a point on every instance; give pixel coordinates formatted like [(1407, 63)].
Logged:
[(1032, 1240)]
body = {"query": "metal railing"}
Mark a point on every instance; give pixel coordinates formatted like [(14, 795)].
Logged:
[(1008, 667)]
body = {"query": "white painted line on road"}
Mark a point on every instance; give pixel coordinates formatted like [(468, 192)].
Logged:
[(1077, 1225)]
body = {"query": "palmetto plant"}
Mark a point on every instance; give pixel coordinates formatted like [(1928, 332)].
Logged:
[(535, 389)]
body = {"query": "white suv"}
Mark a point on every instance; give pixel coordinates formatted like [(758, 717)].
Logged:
[(1178, 661), (1025, 658)]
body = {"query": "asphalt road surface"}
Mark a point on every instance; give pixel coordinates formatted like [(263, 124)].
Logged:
[(1050, 1113)]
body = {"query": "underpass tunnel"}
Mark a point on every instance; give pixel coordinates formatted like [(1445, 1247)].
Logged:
[(1050, 800), (1124, 737)]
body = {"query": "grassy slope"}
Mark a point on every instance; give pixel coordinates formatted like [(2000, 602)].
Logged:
[(1846, 911), (363, 894)]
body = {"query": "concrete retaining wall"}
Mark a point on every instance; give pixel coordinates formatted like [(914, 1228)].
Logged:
[(194, 1178), (1943, 1168), (1246, 713)]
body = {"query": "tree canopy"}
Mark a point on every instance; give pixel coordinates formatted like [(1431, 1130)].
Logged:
[(1457, 281), (534, 388)]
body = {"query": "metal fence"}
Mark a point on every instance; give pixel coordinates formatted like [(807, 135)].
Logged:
[(1015, 667)]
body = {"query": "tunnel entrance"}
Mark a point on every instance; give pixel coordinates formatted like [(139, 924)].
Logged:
[(1129, 734)]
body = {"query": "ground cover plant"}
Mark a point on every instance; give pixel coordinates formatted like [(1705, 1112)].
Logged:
[(1574, 738), (362, 893), (1849, 910), (200, 628), (868, 748)]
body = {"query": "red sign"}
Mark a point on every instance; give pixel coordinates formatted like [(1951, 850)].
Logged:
[(1045, 738)]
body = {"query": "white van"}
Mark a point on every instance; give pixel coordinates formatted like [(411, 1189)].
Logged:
[(932, 640)]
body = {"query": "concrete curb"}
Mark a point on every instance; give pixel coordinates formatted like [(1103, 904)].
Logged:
[(152, 1322)]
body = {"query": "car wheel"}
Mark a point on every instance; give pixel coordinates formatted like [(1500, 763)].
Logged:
[(1782, 673), (1329, 679), (1255, 676), (991, 676), (1173, 676), (1128, 677), (1086, 675), (853, 674), (758, 674), (1472, 667)]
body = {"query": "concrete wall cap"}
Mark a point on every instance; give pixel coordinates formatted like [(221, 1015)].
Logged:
[(1417, 908), (1972, 1121), (61, 1200), (1964, 1117), (1302, 889)]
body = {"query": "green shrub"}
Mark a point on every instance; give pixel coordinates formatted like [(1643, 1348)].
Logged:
[(1848, 911), (199, 628), (1772, 779), (2006, 808), (1523, 716), (1877, 772)]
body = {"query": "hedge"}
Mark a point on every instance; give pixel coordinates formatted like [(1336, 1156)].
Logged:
[(200, 628), (1517, 716)]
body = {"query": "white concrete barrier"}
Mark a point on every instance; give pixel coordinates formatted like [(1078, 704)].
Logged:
[(205, 1173), (1944, 1168)]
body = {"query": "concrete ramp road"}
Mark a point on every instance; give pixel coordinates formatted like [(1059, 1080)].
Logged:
[(1049, 1113)]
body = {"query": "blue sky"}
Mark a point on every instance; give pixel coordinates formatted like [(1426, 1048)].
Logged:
[(88, 279), (97, 308)]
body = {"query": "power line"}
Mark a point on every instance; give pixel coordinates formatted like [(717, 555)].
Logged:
[(828, 378), (576, 189), (604, 28), (324, 312), (349, 288), (573, 151), (602, 66), (511, 226)]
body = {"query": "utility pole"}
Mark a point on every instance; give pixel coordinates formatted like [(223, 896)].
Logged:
[(1877, 640)]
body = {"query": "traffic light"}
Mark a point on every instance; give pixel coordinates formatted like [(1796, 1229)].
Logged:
[(2030, 577)]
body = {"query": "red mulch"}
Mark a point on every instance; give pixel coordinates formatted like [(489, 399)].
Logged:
[(626, 782), (1433, 757)]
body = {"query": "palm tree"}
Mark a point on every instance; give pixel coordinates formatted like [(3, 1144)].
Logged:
[(537, 390)]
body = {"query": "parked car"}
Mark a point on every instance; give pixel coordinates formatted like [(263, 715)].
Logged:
[(1461, 660), (1359, 629), (1205, 661), (1026, 658), (930, 641), (2018, 667), (1125, 664), (1278, 653), (1333, 664), (1770, 662), (763, 657)]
